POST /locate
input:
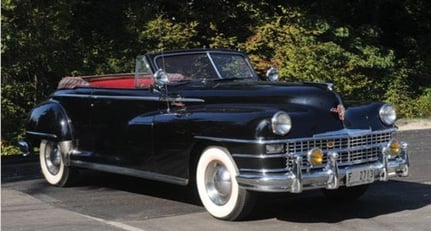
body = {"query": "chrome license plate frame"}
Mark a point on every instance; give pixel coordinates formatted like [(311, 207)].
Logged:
[(359, 177)]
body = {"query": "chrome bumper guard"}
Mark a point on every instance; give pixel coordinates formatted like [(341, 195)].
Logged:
[(330, 177)]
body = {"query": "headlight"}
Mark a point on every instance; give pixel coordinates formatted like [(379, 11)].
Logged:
[(387, 114), (281, 123)]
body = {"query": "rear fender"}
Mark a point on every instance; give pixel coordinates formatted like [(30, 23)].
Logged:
[(49, 121)]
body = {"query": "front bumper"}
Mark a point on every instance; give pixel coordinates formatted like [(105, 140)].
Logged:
[(331, 176)]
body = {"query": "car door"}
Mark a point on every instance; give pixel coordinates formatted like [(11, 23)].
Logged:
[(122, 123)]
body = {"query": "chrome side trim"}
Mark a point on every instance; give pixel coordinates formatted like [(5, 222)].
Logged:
[(187, 100), (143, 98), (261, 156), (139, 98), (131, 172), (219, 139), (120, 97), (71, 95), (47, 135)]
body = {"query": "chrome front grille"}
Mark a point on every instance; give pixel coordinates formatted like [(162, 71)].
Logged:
[(351, 148)]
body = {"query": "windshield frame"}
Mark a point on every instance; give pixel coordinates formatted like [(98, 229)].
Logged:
[(159, 61)]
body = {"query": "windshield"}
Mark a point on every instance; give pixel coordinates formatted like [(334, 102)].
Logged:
[(232, 66), (205, 66)]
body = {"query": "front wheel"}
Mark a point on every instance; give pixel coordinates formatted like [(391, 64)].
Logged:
[(217, 186), (52, 164)]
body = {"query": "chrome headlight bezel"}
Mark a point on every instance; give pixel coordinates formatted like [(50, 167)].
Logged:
[(387, 114), (281, 123)]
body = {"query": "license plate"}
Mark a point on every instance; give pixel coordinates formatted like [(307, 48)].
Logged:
[(358, 177)]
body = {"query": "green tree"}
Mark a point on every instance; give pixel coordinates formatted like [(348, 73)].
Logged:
[(309, 48), (405, 28), (370, 49), (33, 50)]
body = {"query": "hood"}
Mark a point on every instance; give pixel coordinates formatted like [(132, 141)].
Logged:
[(312, 106)]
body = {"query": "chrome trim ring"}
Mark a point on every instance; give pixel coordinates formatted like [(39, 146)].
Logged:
[(218, 183), (53, 158)]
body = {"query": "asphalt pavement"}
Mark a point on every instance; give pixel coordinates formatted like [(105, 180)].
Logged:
[(112, 202)]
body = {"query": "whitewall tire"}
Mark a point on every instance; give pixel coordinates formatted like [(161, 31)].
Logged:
[(217, 186), (52, 164)]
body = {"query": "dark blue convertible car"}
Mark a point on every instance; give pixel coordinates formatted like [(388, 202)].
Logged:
[(204, 118)]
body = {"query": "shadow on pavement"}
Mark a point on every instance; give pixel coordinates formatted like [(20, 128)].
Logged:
[(380, 199)]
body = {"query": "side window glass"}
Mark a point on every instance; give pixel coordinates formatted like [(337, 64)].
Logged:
[(143, 74)]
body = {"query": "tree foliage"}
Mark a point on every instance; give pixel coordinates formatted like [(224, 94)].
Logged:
[(307, 48), (370, 50)]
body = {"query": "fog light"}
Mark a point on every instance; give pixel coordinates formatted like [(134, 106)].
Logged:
[(315, 156), (394, 147)]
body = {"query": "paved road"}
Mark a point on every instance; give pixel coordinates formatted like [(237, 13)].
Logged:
[(112, 202)]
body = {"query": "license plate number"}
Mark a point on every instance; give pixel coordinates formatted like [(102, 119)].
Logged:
[(359, 177)]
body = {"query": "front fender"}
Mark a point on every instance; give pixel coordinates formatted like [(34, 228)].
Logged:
[(365, 117), (239, 122), (49, 121)]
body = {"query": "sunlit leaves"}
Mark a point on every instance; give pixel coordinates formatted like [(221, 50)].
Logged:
[(312, 49), (164, 34)]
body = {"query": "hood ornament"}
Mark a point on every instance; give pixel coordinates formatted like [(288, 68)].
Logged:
[(340, 110)]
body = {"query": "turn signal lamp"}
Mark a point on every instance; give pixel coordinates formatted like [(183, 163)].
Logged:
[(315, 156)]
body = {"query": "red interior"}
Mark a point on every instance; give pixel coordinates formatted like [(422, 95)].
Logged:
[(106, 81), (125, 81)]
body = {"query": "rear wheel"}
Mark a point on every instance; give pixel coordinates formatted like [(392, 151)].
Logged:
[(52, 164), (346, 193), (217, 186)]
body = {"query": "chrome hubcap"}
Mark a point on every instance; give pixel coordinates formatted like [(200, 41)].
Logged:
[(53, 158), (218, 183)]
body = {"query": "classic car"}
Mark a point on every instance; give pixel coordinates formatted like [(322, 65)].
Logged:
[(203, 117)]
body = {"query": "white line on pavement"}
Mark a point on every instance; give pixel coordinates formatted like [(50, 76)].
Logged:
[(114, 223)]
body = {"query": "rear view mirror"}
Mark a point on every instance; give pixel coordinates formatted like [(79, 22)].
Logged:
[(160, 78)]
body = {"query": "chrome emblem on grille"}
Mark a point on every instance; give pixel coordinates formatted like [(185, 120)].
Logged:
[(330, 144), (340, 110)]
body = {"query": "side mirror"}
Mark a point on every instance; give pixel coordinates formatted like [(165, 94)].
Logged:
[(272, 74), (160, 78)]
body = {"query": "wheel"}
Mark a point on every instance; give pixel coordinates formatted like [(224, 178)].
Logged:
[(346, 193), (52, 164), (217, 186)]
